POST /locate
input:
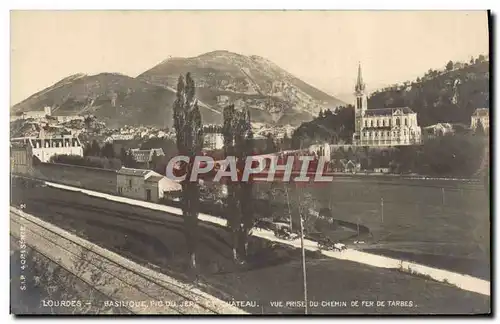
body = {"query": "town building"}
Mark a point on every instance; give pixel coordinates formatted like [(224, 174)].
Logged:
[(480, 116), (144, 184), (382, 126), (344, 166), (68, 118), (439, 129), (119, 137), (322, 150), (144, 158), (45, 147), (213, 141)]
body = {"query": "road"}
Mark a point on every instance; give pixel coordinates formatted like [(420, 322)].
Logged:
[(273, 273)]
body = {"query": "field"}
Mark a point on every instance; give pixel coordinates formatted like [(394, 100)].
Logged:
[(441, 223), (273, 272)]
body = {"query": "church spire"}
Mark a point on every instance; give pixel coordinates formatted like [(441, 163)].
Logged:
[(360, 86)]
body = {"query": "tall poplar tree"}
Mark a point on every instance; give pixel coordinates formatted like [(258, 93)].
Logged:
[(189, 136)]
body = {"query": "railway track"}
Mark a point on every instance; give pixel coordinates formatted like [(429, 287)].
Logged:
[(132, 278)]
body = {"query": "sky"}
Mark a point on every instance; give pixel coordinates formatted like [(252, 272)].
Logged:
[(323, 48)]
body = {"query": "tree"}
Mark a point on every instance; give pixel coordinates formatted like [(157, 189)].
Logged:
[(95, 149), (238, 143), (123, 154), (234, 220), (88, 120), (108, 151), (270, 145), (189, 137), (449, 66), (244, 148), (87, 149), (286, 141), (155, 160)]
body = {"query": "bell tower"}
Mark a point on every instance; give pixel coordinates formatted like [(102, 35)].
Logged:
[(360, 105), (359, 92)]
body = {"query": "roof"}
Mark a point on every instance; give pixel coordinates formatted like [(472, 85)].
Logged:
[(168, 184), (387, 111), (141, 155), (481, 112), (440, 125), (146, 155), (133, 172), (154, 178)]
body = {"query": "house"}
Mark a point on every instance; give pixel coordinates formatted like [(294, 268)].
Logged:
[(322, 150), (336, 165), (119, 137), (344, 165), (381, 170), (480, 116), (145, 157), (213, 141), (144, 184), (350, 166), (439, 129)]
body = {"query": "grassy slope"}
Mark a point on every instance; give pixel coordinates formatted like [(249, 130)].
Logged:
[(274, 273)]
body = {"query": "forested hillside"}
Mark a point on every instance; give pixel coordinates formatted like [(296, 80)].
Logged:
[(448, 95), (333, 127)]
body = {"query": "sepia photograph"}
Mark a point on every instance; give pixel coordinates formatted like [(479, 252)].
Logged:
[(259, 162)]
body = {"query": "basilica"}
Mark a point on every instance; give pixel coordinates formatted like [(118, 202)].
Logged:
[(382, 126)]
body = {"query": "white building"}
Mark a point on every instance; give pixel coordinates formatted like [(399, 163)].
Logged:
[(323, 150), (145, 157), (65, 119), (383, 126), (213, 141), (119, 137), (144, 184), (439, 129), (46, 147), (481, 115)]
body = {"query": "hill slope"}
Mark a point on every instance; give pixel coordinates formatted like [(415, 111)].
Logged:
[(271, 93), (450, 95), (114, 98)]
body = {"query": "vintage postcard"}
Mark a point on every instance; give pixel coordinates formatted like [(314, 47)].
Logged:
[(250, 162)]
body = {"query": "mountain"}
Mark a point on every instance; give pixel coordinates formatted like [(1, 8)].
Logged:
[(448, 95), (272, 94), (114, 98)]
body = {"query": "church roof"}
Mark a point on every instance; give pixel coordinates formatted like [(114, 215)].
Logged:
[(387, 111), (360, 86)]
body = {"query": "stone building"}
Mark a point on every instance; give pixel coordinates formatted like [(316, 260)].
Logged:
[(144, 184), (480, 116), (383, 126)]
